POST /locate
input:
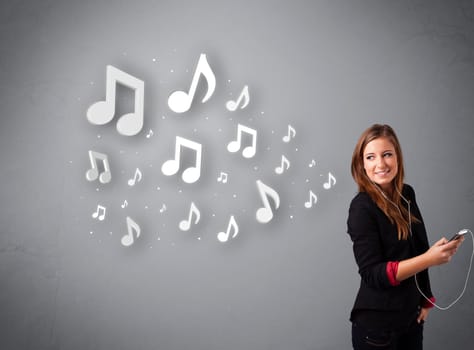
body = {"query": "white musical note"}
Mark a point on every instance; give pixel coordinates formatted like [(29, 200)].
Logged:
[(280, 169), (265, 214), (97, 214), (232, 105), (312, 199), (234, 146), (222, 177), (224, 236), (125, 204), (288, 137), (163, 208), (136, 178), (180, 101), (93, 173), (103, 112), (312, 164), (331, 178), (185, 225), (132, 226), (171, 167), (150, 134)]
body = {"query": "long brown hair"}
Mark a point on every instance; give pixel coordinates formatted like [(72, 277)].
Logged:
[(395, 211)]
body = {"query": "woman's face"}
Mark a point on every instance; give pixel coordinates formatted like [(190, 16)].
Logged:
[(380, 162)]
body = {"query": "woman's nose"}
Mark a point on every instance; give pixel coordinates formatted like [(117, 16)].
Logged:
[(381, 162)]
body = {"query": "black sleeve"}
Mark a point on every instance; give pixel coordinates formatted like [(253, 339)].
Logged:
[(364, 232), (420, 240)]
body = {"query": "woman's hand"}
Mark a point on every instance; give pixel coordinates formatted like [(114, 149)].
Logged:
[(442, 251), (423, 315)]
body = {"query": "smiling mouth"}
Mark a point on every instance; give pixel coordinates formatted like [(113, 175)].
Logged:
[(382, 173)]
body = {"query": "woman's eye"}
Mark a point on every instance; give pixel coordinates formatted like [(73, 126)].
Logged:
[(369, 157), (388, 154)]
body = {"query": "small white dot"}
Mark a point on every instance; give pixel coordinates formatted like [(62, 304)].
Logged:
[(91, 232)]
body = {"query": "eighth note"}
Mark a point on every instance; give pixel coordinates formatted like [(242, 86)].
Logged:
[(150, 134), (180, 101), (280, 169), (232, 105), (265, 214), (312, 199), (136, 178), (97, 215), (93, 173), (125, 204), (288, 137), (232, 226), (331, 179), (222, 177), (185, 225), (163, 208), (132, 227)]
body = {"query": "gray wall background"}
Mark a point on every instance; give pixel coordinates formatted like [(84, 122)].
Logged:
[(328, 68)]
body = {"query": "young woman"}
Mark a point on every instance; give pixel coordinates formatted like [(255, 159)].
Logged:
[(390, 247)]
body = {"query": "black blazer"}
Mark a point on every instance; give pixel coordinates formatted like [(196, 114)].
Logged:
[(375, 243)]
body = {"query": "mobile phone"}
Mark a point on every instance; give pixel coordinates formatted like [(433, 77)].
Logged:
[(458, 235)]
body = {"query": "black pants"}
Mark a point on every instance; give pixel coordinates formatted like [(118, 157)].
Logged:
[(370, 339)]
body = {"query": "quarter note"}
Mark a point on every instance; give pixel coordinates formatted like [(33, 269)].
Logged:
[(291, 134), (180, 101), (103, 112), (136, 178), (244, 95), (232, 227), (99, 213), (331, 182), (132, 227), (284, 162), (265, 214), (234, 146), (312, 199), (185, 225), (93, 173), (171, 167)]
